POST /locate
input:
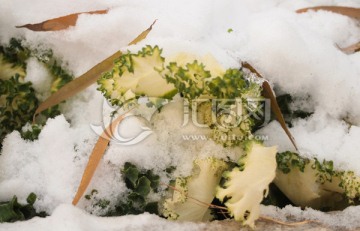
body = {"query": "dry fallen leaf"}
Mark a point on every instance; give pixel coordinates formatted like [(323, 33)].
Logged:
[(351, 49), (95, 157), (143, 35), (268, 93), (91, 76), (78, 84), (347, 11), (60, 23)]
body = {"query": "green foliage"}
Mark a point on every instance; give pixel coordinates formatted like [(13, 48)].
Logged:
[(200, 186), (17, 104), (244, 187), (31, 133), (12, 211), (286, 161), (320, 175), (61, 77), (15, 53), (325, 170), (18, 100), (188, 80), (146, 74), (140, 185), (229, 86), (136, 75)]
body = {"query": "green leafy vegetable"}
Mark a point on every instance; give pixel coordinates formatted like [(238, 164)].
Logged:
[(17, 103), (12, 211), (18, 100), (141, 184), (245, 187), (135, 75), (191, 197), (309, 182)]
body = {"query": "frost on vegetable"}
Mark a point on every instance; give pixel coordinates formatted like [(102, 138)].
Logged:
[(311, 183), (246, 186), (220, 101), (141, 184), (18, 98), (136, 75), (188, 80), (193, 195), (17, 104), (13, 59)]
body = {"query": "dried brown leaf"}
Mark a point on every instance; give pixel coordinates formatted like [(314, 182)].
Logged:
[(347, 11), (85, 80), (104, 139), (268, 93), (351, 49), (78, 84), (60, 23), (143, 35), (95, 157), (287, 223)]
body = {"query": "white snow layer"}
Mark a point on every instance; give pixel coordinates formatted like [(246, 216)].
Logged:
[(67, 217), (297, 52)]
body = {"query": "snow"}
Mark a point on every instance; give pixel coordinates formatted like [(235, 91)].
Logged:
[(348, 218), (67, 217), (297, 53), (38, 76)]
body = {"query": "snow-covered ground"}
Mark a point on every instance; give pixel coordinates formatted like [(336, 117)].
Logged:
[(298, 53)]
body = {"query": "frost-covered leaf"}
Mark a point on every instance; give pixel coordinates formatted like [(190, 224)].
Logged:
[(60, 23)]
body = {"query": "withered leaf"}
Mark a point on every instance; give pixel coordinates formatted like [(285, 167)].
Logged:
[(143, 35), (95, 157), (347, 11), (91, 76), (268, 93), (60, 23), (351, 49), (77, 85)]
